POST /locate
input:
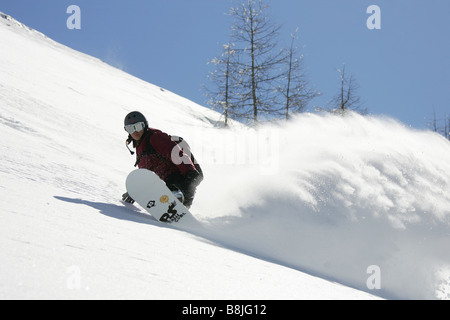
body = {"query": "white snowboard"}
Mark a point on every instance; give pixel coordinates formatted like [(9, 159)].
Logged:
[(151, 193)]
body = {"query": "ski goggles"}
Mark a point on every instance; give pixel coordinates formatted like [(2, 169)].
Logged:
[(135, 127)]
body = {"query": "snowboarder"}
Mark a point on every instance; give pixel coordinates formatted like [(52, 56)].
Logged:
[(154, 151)]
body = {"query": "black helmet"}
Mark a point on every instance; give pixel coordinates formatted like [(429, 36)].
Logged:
[(131, 119), (134, 117)]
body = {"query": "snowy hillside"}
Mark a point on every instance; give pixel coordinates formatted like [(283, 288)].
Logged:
[(299, 211)]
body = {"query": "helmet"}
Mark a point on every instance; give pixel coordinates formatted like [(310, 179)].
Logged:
[(134, 117)]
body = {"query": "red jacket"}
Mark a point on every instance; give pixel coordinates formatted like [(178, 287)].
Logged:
[(154, 152)]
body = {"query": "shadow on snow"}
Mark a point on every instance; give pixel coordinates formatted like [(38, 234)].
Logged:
[(123, 212)]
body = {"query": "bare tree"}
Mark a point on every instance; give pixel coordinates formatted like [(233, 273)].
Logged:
[(295, 88), (347, 99), (441, 126), (253, 77), (259, 62), (446, 132), (445, 128), (225, 82), (434, 123)]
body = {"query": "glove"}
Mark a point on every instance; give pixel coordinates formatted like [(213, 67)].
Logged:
[(126, 197)]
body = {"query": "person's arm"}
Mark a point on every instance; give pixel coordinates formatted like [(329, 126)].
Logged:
[(171, 151)]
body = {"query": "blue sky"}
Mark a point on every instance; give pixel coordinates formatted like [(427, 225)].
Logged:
[(403, 69)]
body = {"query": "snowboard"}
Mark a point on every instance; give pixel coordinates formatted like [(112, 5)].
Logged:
[(152, 194)]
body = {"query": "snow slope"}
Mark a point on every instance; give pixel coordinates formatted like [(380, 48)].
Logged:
[(298, 211)]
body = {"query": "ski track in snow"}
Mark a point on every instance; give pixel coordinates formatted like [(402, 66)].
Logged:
[(326, 195)]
